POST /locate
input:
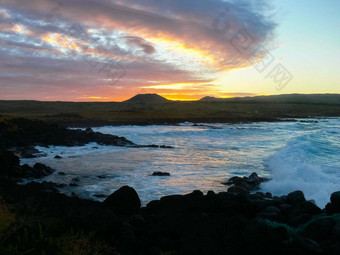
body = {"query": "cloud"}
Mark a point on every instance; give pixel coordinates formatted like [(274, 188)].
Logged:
[(146, 47), (155, 41)]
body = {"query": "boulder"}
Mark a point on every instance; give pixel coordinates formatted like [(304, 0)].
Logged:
[(245, 184), (309, 246), (43, 170), (296, 197), (335, 198), (306, 207), (125, 200), (319, 229), (334, 205)]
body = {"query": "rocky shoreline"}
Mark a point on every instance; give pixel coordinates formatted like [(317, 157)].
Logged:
[(22, 135), (37, 219), (232, 222)]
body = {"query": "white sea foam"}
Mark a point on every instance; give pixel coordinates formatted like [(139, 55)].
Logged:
[(309, 163), (296, 155)]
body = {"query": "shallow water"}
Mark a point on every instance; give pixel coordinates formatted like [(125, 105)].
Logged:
[(296, 155)]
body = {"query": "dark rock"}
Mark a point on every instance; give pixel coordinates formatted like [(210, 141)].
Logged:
[(335, 198), (89, 131), (58, 157), (306, 207), (33, 133), (336, 231), (271, 213), (269, 195), (39, 170), (334, 205), (245, 184), (101, 176), (307, 245), (76, 179), (296, 197), (100, 195), (160, 174), (319, 229), (238, 189), (166, 147), (61, 173), (72, 184), (124, 200), (211, 193), (61, 185), (300, 219)]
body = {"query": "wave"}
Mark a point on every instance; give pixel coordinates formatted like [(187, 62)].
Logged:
[(308, 163)]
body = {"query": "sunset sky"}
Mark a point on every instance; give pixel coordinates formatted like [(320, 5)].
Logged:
[(110, 50)]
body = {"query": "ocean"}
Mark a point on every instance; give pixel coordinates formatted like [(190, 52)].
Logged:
[(295, 155)]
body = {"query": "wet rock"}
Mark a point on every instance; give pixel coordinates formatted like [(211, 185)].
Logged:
[(166, 147), (307, 245), (58, 157), (319, 229), (124, 200), (245, 184), (101, 176), (296, 197), (239, 189), (306, 207), (61, 173), (76, 179), (160, 174), (89, 131), (44, 134), (334, 205), (335, 198), (300, 220), (72, 184), (40, 170)]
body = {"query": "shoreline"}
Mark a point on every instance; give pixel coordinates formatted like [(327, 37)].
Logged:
[(245, 222), (235, 221)]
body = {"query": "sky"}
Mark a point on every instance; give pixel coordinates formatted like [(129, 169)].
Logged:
[(105, 50)]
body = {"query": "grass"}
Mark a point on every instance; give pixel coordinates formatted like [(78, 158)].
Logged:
[(6, 217), (212, 111), (50, 239)]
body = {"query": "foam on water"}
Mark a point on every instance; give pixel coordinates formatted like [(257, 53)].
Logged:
[(309, 163), (296, 155)]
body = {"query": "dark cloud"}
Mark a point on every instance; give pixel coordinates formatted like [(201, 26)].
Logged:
[(146, 47), (56, 40)]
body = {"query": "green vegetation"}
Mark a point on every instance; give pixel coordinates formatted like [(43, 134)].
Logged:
[(53, 238), (6, 217), (156, 110)]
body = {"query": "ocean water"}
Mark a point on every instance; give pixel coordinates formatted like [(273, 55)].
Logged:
[(296, 155)]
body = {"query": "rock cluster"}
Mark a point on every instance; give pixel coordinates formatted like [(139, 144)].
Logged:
[(11, 169), (245, 184), (23, 135), (229, 222)]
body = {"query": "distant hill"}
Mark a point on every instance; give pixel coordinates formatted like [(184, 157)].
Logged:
[(285, 98), (211, 99), (147, 98)]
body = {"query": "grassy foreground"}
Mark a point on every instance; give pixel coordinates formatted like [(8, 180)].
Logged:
[(159, 112)]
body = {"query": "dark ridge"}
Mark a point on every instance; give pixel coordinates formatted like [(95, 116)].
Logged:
[(147, 98)]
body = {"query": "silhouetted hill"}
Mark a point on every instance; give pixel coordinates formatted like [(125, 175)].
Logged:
[(211, 99), (147, 98), (285, 98)]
